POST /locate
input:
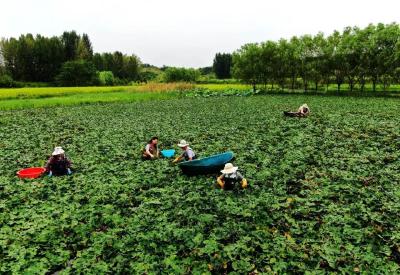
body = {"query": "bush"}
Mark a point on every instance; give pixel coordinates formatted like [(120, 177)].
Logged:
[(181, 74), (6, 81), (149, 74), (77, 73), (106, 78)]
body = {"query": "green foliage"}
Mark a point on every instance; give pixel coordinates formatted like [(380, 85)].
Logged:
[(85, 49), (77, 73), (39, 58), (222, 65), (149, 74), (106, 78), (173, 74), (206, 70), (122, 66), (323, 192), (354, 57), (6, 81), (70, 41)]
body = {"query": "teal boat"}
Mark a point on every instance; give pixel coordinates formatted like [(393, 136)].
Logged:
[(209, 165)]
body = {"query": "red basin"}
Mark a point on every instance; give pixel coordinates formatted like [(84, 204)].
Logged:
[(31, 173)]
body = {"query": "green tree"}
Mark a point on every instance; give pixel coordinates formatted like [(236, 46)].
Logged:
[(48, 56), (283, 61), (247, 64), (98, 61), (106, 78), (293, 60), (85, 49), (173, 74), (77, 73), (222, 65), (70, 41), (131, 67), (337, 58)]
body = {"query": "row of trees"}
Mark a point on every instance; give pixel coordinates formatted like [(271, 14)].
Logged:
[(355, 56), (122, 66), (42, 59), (39, 59)]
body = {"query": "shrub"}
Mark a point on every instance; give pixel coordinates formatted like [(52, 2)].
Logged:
[(149, 74), (77, 73), (7, 82), (181, 74), (106, 78)]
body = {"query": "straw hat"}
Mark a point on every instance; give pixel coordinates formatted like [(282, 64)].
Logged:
[(58, 151), (183, 143), (229, 169), (305, 106)]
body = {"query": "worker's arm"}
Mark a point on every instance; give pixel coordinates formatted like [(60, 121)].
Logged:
[(147, 151), (178, 159), (48, 164), (68, 162), (149, 154), (220, 181), (242, 179)]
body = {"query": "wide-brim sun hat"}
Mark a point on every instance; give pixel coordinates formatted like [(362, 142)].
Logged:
[(229, 169), (183, 143), (58, 151)]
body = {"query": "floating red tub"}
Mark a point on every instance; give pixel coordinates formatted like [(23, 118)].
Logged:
[(31, 173)]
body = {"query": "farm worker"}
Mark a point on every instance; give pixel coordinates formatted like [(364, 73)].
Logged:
[(303, 111), (58, 164), (230, 177), (188, 153), (151, 149)]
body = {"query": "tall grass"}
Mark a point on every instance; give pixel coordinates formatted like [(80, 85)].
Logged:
[(166, 87), (84, 98)]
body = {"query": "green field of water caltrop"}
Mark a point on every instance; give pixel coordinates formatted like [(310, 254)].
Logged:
[(323, 194)]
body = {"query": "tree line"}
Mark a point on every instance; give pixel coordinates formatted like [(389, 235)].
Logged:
[(355, 56), (50, 59), (361, 58)]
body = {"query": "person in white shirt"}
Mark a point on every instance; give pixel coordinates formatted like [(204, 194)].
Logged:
[(188, 153), (303, 111)]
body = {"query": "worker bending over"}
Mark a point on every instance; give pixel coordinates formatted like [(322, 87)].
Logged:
[(230, 177)]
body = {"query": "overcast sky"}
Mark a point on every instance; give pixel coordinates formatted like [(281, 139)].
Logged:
[(188, 32)]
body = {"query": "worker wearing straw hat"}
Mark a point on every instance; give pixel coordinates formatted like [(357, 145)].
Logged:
[(58, 164), (188, 153), (230, 177), (303, 111)]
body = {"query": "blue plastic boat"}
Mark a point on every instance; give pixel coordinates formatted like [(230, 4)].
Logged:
[(207, 165)]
